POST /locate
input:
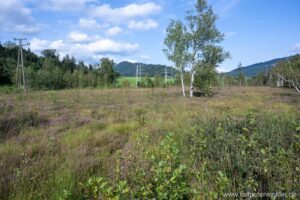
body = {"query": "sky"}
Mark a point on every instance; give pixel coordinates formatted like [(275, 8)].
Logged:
[(134, 30)]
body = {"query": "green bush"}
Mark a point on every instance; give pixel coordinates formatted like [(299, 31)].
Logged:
[(98, 188), (158, 81), (149, 82), (140, 116), (254, 154), (125, 84), (168, 178)]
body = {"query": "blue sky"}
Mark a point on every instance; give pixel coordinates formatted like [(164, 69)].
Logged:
[(256, 30)]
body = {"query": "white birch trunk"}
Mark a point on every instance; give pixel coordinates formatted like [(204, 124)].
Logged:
[(296, 86), (182, 83), (192, 84), (278, 80)]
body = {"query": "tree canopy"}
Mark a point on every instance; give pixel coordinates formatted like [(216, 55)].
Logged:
[(193, 43), (48, 71), (289, 71)]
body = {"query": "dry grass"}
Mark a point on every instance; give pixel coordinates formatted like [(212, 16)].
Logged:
[(53, 140)]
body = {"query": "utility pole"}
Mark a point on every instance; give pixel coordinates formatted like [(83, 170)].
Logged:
[(166, 75), (136, 76), (140, 70), (20, 74)]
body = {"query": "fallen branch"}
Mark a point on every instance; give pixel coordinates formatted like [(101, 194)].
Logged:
[(295, 85)]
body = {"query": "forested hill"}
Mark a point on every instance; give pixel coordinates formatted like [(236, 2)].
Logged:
[(255, 69), (126, 68)]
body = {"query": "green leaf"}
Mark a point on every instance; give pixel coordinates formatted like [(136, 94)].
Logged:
[(126, 190), (245, 130)]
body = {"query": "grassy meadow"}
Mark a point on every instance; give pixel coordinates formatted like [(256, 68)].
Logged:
[(131, 81), (149, 143)]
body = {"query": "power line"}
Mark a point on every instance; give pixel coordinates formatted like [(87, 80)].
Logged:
[(20, 74)]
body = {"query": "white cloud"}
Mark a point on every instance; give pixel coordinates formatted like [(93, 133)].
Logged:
[(38, 45), (23, 28), (88, 51), (295, 48), (16, 17), (123, 13), (109, 46), (142, 25), (113, 31), (58, 44), (60, 5), (78, 37), (88, 24), (221, 69)]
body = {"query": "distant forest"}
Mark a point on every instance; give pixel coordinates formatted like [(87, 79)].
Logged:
[(48, 71)]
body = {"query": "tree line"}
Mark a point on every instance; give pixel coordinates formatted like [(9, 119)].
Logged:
[(48, 71), (285, 73), (193, 45)]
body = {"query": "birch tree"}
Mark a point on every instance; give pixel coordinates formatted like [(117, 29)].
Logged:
[(241, 76), (203, 37), (176, 44), (288, 72)]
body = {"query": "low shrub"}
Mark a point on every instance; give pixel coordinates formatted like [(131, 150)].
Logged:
[(167, 178), (12, 125)]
